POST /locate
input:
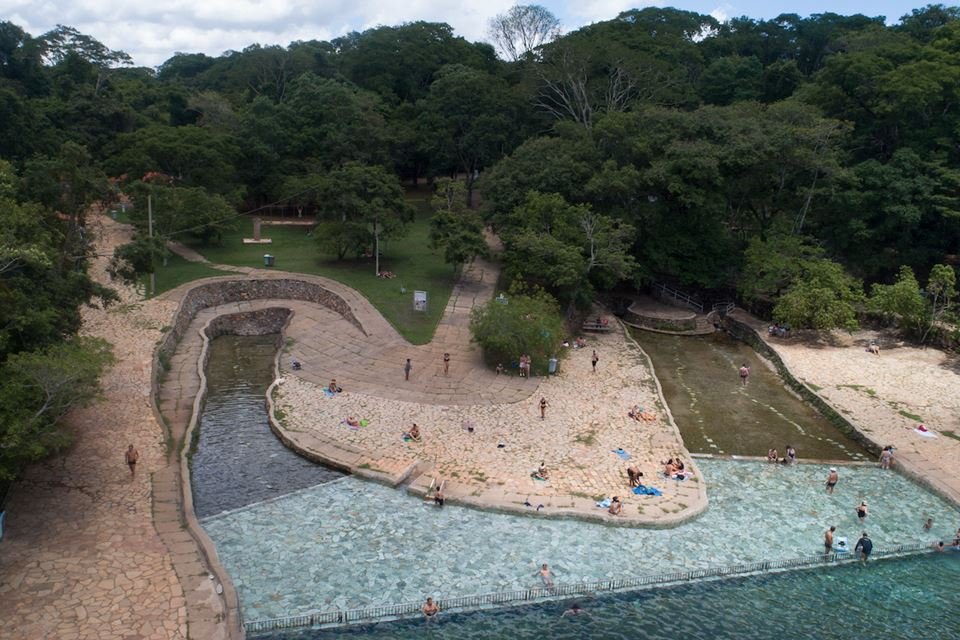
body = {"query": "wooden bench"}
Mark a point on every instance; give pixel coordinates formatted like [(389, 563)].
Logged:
[(601, 327)]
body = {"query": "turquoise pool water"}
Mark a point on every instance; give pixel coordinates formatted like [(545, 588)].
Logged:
[(904, 599), (352, 543)]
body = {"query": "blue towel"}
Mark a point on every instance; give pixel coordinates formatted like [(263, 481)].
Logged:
[(604, 504), (623, 454), (647, 491), (328, 393)]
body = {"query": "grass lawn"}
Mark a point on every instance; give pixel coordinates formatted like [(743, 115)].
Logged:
[(179, 271), (416, 265)]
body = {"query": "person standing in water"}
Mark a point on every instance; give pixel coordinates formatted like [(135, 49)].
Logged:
[(832, 480), (862, 511), (828, 540), (865, 547), (546, 575)]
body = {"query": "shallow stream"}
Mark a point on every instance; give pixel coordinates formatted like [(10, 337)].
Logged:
[(718, 414)]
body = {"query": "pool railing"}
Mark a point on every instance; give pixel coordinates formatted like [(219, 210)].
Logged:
[(496, 599)]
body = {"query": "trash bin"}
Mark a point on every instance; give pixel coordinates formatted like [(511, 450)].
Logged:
[(267, 260), (552, 366)]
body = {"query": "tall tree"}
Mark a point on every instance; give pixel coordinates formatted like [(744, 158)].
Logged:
[(522, 30), (454, 227), (468, 120), (357, 205)]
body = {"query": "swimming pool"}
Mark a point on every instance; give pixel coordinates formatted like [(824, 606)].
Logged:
[(902, 599), (352, 543)]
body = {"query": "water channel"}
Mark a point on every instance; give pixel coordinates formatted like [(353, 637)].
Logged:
[(716, 414), (238, 461)]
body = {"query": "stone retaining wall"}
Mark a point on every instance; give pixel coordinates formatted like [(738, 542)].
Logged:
[(660, 323), (213, 294), (747, 334), (261, 322)]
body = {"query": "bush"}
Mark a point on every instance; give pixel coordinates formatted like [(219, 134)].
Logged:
[(521, 323)]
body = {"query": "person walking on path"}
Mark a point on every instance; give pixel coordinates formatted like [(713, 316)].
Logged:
[(828, 540), (543, 408), (832, 480), (446, 363), (865, 547), (744, 374), (131, 457), (594, 360), (407, 368)]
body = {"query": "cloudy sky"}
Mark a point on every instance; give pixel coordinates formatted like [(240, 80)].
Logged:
[(152, 32)]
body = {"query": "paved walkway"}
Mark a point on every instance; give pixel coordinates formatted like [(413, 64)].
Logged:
[(81, 557)]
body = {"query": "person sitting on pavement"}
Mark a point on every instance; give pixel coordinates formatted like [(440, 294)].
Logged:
[(333, 387), (352, 421), (414, 433), (542, 473), (615, 506)]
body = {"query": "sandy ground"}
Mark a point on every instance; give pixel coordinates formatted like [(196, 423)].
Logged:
[(887, 396)]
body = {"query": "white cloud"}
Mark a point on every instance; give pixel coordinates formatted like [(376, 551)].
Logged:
[(722, 13), (152, 32), (589, 11)]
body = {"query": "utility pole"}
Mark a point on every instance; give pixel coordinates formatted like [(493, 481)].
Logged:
[(376, 247), (153, 275)]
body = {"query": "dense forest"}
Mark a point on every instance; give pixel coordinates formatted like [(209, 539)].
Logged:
[(807, 165)]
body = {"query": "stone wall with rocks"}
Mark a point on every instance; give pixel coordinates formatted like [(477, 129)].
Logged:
[(220, 292), (249, 323), (747, 334)]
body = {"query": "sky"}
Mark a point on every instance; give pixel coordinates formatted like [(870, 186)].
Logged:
[(151, 32)]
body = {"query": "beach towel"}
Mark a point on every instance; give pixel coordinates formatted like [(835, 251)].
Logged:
[(536, 477), (604, 504), (926, 433), (623, 454), (328, 393), (647, 491)]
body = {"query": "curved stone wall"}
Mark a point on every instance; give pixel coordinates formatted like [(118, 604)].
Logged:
[(220, 292)]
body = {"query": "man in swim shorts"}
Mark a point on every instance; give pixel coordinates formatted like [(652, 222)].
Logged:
[(832, 480), (864, 546), (430, 609), (132, 456), (828, 540), (744, 374), (546, 575)]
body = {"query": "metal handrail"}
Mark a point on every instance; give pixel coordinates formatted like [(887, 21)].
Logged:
[(679, 296), (517, 597)]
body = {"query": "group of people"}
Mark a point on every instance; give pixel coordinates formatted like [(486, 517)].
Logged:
[(674, 468), (524, 365), (778, 330), (790, 458)]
